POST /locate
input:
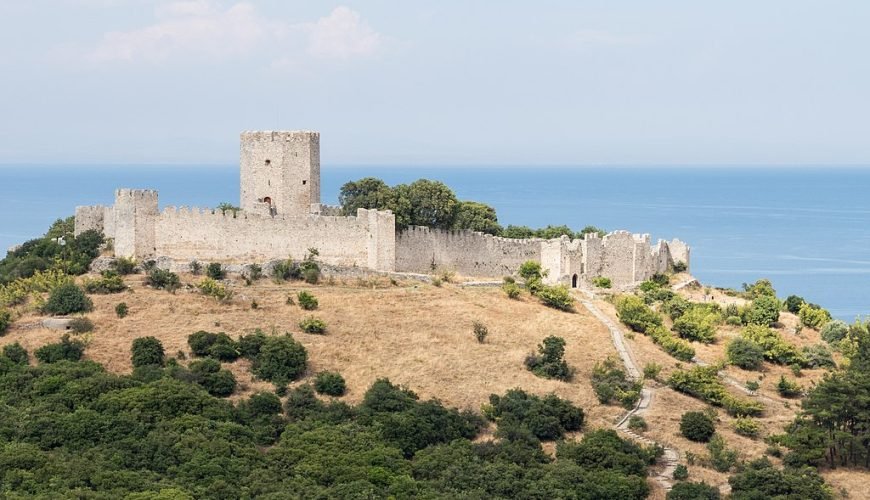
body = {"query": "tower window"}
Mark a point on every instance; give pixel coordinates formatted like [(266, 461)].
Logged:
[(268, 162), (304, 182)]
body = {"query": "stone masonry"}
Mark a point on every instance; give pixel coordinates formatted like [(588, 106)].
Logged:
[(281, 216)]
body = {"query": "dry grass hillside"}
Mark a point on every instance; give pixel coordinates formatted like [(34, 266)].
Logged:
[(415, 334), (420, 335)]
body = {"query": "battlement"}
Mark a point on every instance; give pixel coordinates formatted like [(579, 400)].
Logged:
[(279, 135), (141, 194)]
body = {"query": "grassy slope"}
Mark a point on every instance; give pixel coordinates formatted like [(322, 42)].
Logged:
[(421, 336)]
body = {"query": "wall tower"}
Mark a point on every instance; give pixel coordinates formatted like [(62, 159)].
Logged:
[(135, 215), (280, 172)]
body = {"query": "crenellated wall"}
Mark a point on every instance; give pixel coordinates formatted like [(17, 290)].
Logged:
[(422, 249)]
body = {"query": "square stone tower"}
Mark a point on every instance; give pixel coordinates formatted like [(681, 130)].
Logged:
[(280, 172)]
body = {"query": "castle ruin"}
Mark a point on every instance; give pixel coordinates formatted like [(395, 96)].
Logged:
[(281, 216)]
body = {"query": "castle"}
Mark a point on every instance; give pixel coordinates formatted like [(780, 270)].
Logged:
[(281, 216)]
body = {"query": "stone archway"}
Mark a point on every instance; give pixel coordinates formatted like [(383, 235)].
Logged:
[(574, 281), (268, 200)]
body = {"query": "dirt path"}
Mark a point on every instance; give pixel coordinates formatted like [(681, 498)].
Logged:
[(671, 456)]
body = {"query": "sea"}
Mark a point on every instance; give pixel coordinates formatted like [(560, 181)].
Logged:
[(807, 229)]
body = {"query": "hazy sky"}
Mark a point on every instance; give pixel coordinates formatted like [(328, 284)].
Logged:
[(438, 82)]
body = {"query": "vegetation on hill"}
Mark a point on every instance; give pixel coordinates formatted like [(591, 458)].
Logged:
[(433, 204)]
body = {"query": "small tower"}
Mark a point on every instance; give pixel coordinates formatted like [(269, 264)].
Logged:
[(280, 172)]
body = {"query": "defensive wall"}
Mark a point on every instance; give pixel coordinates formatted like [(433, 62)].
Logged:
[(281, 216)]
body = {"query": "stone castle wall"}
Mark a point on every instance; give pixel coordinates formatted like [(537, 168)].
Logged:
[(422, 249)]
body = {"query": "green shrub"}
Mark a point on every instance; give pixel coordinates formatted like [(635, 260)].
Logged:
[(747, 427), (759, 479), (81, 325), (121, 310), (637, 423), (211, 288), (309, 267), (512, 290), (733, 321), (67, 299), (530, 270), (681, 473), (611, 384), (480, 331), (281, 359), (547, 418), (195, 267), (834, 331), (676, 347), (16, 353), (108, 283), (721, 457), (330, 383), (698, 324), (306, 300), (313, 325), (696, 426), (249, 345), (636, 314), (788, 388), (745, 354), (793, 303), (775, 348), (675, 307), (703, 383), (255, 272), (813, 316), (215, 345), (557, 297), (680, 267), (286, 270), (311, 275), (123, 266), (215, 271), (602, 282), (764, 311), (66, 349), (5, 320), (209, 374), (549, 362), (693, 491), (817, 356), (651, 371), (761, 288), (163, 280), (147, 351)]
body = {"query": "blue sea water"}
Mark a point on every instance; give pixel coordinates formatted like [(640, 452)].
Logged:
[(806, 229)]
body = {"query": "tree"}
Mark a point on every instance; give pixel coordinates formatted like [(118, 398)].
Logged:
[(745, 354), (68, 299), (693, 491), (369, 193), (763, 311), (431, 203), (696, 426), (281, 359), (549, 362), (476, 216), (147, 351)]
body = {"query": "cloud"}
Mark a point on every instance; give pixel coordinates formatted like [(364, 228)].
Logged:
[(200, 29)]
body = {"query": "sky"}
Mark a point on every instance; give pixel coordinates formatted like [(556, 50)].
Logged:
[(438, 82)]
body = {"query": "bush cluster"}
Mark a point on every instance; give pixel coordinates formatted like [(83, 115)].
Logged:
[(67, 349), (547, 418), (775, 348), (703, 383), (602, 282), (313, 325), (81, 325), (123, 266), (67, 299), (834, 331), (5, 320), (788, 388), (813, 316), (744, 353), (557, 297), (219, 346), (697, 324), (693, 491), (638, 316), (512, 290), (162, 279), (747, 427), (549, 361), (697, 426), (147, 351), (16, 353), (214, 379), (109, 282), (611, 384), (306, 300), (215, 271), (212, 288), (330, 383), (764, 311), (121, 310), (58, 249)]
